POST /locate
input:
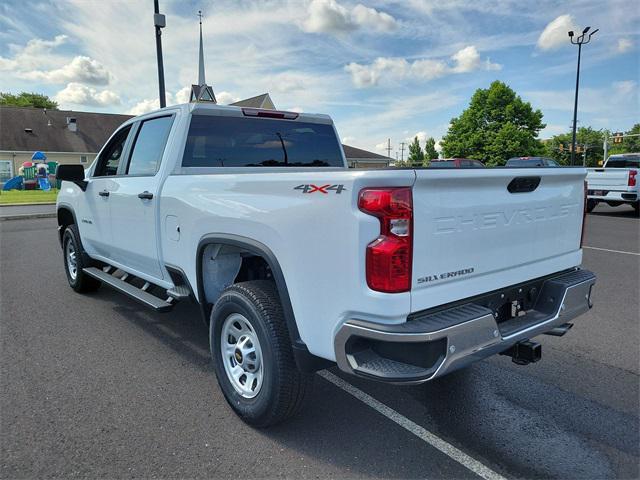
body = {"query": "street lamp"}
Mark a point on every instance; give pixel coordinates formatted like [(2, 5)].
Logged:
[(159, 22), (580, 40)]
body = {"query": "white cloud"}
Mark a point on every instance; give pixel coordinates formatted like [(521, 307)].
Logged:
[(625, 87), (78, 94), (144, 106), (328, 16), (371, 18), (80, 69), (463, 61), (295, 109), (422, 137), (223, 98), (624, 45), (35, 54), (555, 33)]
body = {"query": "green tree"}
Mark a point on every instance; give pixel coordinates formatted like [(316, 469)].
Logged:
[(416, 155), (430, 152), (497, 125), (26, 99), (629, 144), (559, 147)]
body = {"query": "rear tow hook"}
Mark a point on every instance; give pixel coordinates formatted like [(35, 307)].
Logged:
[(524, 352)]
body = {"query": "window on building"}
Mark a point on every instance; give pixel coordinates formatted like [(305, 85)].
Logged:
[(6, 170), (83, 159)]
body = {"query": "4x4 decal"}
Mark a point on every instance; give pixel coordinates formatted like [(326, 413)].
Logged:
[(311, 188)]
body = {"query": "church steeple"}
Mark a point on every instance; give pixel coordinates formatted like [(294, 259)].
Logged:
[(201, 59), (201, 92)]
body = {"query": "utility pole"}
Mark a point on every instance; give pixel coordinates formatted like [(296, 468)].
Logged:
[(402, 151), (160, 22), (388, 147), (605, 147), (579, 41)]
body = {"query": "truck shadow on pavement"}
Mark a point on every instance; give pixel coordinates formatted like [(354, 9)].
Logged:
[(509, 418)]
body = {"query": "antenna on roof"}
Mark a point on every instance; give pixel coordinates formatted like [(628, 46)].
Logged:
[(201, 92)]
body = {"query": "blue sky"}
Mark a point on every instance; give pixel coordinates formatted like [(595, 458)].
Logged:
[(381, 69)]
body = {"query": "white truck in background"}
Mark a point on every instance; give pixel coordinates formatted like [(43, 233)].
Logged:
[(616, 183), (299, 263)]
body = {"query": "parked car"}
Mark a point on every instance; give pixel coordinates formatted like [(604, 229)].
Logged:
[(531, 162), (616, 183), (298, 263), (455, 163)]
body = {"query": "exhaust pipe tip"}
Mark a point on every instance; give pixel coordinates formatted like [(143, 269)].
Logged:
[(560, 330)]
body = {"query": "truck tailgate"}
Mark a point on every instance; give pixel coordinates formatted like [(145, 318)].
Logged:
[(598, 178), (472, 235)]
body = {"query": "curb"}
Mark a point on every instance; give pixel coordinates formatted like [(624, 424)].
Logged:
[(28, 216)]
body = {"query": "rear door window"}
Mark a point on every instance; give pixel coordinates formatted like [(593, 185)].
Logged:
[(148, 146), (217, 141)]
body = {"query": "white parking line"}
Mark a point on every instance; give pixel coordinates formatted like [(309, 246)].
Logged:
[(612, 251), (452, 452)]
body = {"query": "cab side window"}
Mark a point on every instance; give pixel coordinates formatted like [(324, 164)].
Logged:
[(112, 154), (149, 146)]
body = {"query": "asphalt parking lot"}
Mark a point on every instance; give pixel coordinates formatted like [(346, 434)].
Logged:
[(97, 386)]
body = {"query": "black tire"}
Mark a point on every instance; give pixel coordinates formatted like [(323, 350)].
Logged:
[(283, 386), (591, 204), (80, 281), (636, 208)]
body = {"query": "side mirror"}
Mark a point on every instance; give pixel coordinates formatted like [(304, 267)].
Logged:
[(72, 173)]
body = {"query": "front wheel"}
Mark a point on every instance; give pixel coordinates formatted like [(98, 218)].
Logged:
[(252, 354), (74, 262)]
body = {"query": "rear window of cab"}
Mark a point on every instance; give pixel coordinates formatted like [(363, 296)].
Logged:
[(222, 141)]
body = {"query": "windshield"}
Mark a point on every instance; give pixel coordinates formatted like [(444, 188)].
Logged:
[(217, 141), (626, 161)]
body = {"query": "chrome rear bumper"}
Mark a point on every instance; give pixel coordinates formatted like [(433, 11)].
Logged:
[(434, 344)]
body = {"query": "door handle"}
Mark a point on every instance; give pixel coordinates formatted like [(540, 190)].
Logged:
[(145, 195), (104, 193)]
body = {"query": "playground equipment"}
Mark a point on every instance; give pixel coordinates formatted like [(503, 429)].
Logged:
[(34, 174)]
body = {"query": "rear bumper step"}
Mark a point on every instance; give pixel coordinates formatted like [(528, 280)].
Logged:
[(131, 291), (431, 345)]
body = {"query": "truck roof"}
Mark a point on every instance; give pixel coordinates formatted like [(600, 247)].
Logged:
[(205, 108)]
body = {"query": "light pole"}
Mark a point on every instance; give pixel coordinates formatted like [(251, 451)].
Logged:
[(578, 41), (160, 22)]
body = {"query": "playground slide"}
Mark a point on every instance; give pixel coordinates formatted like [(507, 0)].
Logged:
[(44, 183), (15, 182)]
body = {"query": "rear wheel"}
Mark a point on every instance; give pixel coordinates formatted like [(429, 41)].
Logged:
[(591, 204), (74, 262), (252, 354), (636, 207)]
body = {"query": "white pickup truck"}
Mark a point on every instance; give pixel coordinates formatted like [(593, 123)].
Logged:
[(616, 183), (299, 263)]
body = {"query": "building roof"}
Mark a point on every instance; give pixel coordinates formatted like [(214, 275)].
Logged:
[(359, 154), (30, 129), (259, 101), (93, 130)]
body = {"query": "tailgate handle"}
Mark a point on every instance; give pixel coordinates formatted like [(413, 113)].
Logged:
[(523, 184)]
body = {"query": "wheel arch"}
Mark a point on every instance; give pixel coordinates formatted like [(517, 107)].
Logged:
[(66, 216), (304, 359)]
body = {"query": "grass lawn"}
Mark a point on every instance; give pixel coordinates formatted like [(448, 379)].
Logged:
[(28, 196)]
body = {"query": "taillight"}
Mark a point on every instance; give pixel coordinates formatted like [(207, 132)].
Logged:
[(584, 214), (632, 178), (389, 257)]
